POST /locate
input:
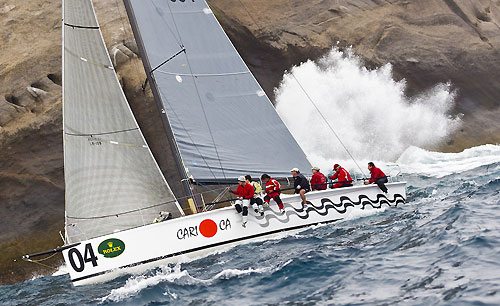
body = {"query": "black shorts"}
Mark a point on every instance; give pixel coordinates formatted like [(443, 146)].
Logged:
[(306, 189)]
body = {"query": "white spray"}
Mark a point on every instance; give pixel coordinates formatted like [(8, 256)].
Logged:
[(367, 109)]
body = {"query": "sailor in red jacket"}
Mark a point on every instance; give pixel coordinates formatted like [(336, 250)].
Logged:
[(272, 191), (245, 194), (343, 177), (318, 180), (377, 176)]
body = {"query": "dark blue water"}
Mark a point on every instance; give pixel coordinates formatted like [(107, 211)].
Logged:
[(442, 247)]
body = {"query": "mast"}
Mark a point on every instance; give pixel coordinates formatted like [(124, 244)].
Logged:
[(156, 95)]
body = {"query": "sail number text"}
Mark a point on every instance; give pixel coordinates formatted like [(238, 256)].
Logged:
[(78, 261)]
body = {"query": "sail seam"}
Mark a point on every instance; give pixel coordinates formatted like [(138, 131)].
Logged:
[(81, 26), (205, 74), (102, 133)]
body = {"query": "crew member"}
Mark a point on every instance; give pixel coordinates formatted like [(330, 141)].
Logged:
[(301, 185), (318, 180), (256, 201), (245, 194), (377, 176), (273, 191), (342, 176)]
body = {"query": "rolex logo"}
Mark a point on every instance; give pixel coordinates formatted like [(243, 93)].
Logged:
[(111, 247)]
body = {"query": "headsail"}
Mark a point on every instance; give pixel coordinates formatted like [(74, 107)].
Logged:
[(223, 122), (112, 180)]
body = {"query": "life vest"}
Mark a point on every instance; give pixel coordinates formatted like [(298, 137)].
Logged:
[(257, 188)]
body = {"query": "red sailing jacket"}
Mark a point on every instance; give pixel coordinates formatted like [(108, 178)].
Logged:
[(245, 192), (343, 176), (318, 178), (376, 174), (273, 188)]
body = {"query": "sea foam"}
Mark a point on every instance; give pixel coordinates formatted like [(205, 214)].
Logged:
[(176, 275)]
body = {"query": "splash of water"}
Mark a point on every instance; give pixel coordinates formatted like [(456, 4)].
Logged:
[(367, 108)]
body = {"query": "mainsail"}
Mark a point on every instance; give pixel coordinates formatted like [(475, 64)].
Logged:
[(112, 180), (223, 123)]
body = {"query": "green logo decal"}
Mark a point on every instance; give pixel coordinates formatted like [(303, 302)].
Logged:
[(111, 247)]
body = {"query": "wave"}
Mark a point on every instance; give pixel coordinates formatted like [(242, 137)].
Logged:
[(417, 160), (176, 275), (367, 108)]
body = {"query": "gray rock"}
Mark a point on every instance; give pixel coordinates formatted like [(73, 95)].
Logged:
[(36, 93), (8, 112)]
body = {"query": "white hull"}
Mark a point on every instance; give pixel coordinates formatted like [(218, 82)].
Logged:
[(192, 236)]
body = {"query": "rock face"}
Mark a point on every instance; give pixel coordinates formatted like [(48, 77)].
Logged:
[(427, 41)]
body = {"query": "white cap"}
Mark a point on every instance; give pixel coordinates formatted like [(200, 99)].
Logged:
[(315, 168), (242, 179), (295, 169)]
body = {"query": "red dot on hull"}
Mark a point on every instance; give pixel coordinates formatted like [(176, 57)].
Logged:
[(208, 228)]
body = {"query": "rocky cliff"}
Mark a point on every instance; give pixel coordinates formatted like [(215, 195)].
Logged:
[(427, 41)]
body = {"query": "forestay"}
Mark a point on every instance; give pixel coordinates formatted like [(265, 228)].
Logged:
[(223, 122), (112, 180)]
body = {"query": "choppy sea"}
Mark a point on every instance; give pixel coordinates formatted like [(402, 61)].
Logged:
[(441, 248)]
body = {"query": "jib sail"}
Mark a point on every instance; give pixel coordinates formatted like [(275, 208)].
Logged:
[(112, 180)]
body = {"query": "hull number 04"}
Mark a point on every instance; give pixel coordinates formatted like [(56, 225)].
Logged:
[(78, 261)]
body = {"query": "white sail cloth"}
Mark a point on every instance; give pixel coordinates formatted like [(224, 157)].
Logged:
[(223, 122), (112, 180)]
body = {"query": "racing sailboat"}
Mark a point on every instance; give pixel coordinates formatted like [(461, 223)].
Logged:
[(216, 116)]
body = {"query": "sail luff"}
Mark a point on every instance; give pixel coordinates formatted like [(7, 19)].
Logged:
[(112, 180), (66, 237)]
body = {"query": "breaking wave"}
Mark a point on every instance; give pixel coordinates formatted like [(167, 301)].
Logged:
[(173, 274), (437, 164), (367, 108)]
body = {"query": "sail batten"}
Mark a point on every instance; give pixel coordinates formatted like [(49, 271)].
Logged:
[(222, 121), (109, 169)]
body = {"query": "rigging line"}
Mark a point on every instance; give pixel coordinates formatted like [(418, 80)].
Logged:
[(41, 264), (311, 100), (198, 93), (187, 132), (166, 23), (250, 15), (103, 133), (326, 121)]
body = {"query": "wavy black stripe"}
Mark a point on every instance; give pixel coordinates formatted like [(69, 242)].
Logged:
[(341, 207)]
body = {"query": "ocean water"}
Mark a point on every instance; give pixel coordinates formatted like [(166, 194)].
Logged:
[(441, 248)]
